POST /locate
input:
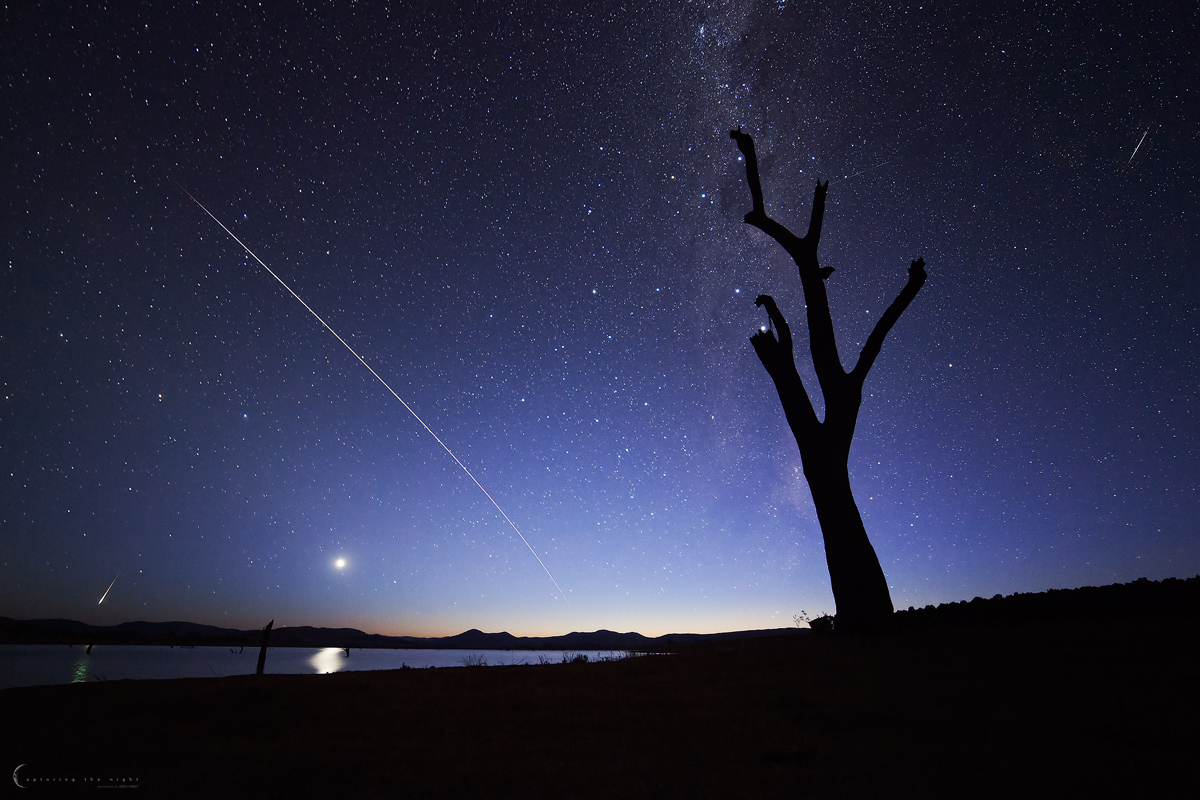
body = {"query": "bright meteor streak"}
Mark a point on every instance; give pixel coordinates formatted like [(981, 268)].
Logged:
[(1139, 146), (109, 589), (385, 385)]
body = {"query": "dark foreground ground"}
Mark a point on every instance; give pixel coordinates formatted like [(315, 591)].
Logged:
[(1064, 709)]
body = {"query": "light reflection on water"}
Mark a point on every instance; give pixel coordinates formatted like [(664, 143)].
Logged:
[(35, 665), (80, 674), (328, 659)]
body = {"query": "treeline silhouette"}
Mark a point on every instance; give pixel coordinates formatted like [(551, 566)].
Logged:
[(1140, 598)]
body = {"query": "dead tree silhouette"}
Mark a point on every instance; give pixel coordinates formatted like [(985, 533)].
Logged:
[(859, 587)]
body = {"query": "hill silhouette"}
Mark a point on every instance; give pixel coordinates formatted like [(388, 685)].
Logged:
[(1169, 597), (190, 634)]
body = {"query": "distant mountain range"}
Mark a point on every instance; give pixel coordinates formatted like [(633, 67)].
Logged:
[(65, 631), (1169, 597)]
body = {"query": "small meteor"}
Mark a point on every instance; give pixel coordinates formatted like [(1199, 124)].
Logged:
[(863, 171), (354, 353), (109, 589), (1139, 146)]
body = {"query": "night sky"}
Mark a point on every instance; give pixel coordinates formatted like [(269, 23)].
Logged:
[(527, 218)]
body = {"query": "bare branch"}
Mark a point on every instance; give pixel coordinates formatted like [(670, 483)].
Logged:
[(776, 357), (776, 317), (813, 237), (758, 215), (870, 351), (746, 144), (804, 252)]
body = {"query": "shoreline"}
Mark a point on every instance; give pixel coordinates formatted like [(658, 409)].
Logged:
[(1030, 708), (26, 665)]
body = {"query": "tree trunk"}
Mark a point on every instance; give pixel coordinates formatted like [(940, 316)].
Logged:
[(860, 589), (859, 586)]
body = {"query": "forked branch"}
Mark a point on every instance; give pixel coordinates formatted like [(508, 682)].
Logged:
[(802, 250)]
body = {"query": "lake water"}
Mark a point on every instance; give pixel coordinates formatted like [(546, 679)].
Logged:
[(39, 664)]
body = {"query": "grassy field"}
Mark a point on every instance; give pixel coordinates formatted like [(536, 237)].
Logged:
[(1036, 709)]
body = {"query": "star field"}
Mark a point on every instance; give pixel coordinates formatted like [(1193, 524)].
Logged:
[(526, 218)]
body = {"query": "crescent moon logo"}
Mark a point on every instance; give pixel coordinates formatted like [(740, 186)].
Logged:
[(16, 780)]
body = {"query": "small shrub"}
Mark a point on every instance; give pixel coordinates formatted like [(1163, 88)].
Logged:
[(474, 660)]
